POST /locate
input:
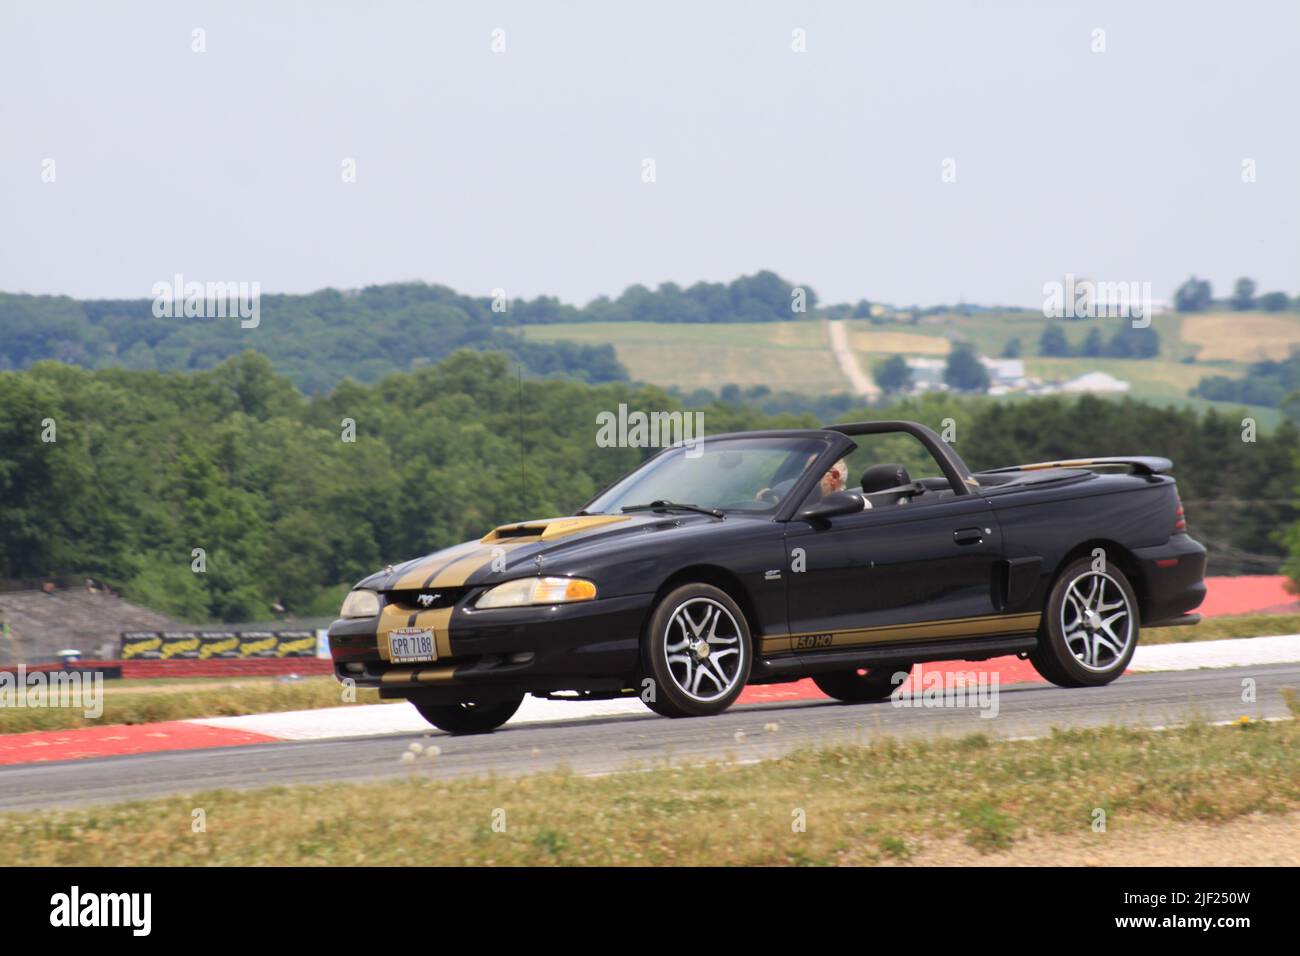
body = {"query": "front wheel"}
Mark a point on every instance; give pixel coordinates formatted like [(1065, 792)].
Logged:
[(1090, 627), (469, 717), (695, 652)]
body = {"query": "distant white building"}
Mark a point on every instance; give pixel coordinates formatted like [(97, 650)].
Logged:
[(1099, 382), (1005, 375), (927, 374)]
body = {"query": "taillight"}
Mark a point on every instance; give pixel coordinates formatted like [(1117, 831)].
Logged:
[(1180, 519)]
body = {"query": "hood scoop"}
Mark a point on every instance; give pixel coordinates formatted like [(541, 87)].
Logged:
[(549, 529)]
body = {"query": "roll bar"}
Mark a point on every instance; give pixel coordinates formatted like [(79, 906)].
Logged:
[(954, 469)]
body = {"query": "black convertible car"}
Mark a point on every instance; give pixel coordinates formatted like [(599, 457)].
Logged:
[(749, 558)]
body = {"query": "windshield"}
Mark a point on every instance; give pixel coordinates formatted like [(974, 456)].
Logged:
[(732, 474)]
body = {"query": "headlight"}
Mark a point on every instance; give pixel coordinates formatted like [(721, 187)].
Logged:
[(527, 591), (360, 603)]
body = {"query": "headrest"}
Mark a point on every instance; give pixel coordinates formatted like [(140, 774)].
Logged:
[(881, 477)]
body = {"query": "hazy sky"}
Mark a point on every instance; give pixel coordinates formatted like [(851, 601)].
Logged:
[(523, 169)]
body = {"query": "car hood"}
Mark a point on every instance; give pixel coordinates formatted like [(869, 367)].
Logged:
[(528, 546)]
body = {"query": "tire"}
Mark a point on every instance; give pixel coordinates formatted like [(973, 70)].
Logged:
[(858, 686), (469, 717), (1090, 627), (697, 650)]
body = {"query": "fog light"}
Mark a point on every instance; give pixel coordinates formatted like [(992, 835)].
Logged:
[(355, 668), (521, 658)]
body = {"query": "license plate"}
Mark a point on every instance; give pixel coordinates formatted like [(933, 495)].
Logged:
[(407, 645)]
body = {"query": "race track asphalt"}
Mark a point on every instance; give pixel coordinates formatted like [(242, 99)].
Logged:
[(619, 743)]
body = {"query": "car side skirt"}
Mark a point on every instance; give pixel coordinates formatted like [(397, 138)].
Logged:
[(904, 633), (976, 649)]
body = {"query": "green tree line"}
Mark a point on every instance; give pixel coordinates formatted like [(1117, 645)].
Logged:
[(1275, 384), (1197, 295), (1124, 342), (145, 467), (319, 339)]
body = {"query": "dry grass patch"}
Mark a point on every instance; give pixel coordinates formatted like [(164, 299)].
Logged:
[(1224, 628), (906, 343), (1242, 336)]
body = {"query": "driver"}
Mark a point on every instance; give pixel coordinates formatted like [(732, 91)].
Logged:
[(835, 479)]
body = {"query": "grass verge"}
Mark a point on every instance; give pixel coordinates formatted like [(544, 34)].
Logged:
[(224, 698), (1223, 628), (832, 805)]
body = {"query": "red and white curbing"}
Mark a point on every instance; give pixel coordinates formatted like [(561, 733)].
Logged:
[(371, 719), (401, 718), (367, 720), (1234, 652)]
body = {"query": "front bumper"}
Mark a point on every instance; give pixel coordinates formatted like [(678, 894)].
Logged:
[(1173, 579), (544, 648)]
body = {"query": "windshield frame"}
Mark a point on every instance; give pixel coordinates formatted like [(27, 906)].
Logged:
[(836, 444)]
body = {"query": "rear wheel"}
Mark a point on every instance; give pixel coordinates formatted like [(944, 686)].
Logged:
[(696, 651), (860, 685), (1090, 627), (469, 717)]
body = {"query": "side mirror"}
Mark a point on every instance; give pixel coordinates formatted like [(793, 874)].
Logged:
[(836, 503)]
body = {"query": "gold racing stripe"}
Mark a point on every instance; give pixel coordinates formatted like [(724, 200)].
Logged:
[(462, 569), (549, 529), (435, 675), (419, 674), (416, 576), (918, 631), (440, 621), (1044, 465), (454, 566), (453, 573)]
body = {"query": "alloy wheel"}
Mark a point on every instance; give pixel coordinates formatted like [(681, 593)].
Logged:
[(1097, 620), (703, 649)]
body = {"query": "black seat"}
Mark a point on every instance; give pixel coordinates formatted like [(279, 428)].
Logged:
[(883, 477)]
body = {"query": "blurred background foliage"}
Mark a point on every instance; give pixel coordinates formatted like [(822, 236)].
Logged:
[(149, 465)]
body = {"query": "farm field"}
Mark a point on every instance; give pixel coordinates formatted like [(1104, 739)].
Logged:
[(781, 355), (1242, 336), (990, 332), (1154, 380), (795, 356)]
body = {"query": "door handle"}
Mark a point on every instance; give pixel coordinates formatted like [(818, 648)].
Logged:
[(968, 536)]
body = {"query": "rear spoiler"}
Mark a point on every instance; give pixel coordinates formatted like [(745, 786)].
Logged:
[(1140, 464)]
